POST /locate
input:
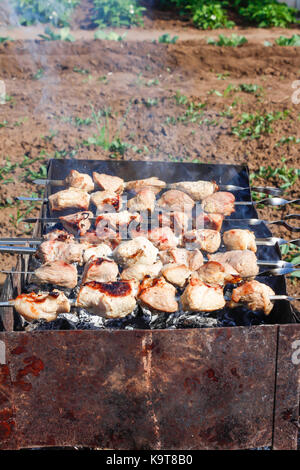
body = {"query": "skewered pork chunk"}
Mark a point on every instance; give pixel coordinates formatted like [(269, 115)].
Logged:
[(60, 236), (108, 300), (106, 201), (163, 238), (239, 239), (100, 270), (138, 271), (68, 199), (57, 272), (176, 274), (175, 200), (101, 250), (254, 294), (219, 203), (78, 223), (43, 306), (199, 296), (205, 239), (193, 259), (158, 294), (153, 183), (213, 273), (117, 219), (177, 221), (137, 250), (50, 251), (197, 190), (243, 261), (80, 181), (143, 201), (210, 221), (114, 184), (107, 235)]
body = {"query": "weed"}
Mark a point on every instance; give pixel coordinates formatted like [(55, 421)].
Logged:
[(166, 39), (5, 39), (284, 41), (81, 71), (149, 102), (39, 74), (288, 140), (117, 13), (253, 126), (109, 36), (287, 176), (266, 13)]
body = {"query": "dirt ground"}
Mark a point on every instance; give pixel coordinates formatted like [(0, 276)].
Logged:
[(147, 97)]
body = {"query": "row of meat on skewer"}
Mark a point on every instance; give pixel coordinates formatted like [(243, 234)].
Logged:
[(162, 269)]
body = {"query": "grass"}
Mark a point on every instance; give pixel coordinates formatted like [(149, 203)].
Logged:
[(283, 176), (62, 35)]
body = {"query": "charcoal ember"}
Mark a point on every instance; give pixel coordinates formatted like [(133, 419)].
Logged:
[(197, 320), (136, 320), (241, 316), (159, 321), (61, 323)]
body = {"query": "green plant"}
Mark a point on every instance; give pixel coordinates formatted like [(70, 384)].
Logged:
[(266, 13), (284, 41), (288, 140), (39, 74), (108, 36), (61, 35), (283, 176), (5, 39), (253, 126), (291, 254), (209, 15), (117, 13), (234, 41), (56, 12), (166, 39)]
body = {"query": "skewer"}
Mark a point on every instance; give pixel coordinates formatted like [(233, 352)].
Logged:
[(273, 201), (30, 250), (270, 241), (271, 272), (226, 187), (10, 303)]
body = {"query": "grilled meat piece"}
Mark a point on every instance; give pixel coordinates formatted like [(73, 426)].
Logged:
[(60, 236), (219, 203), (176, 274), (114, 184), (193, 259), (205, 239), (137, 250), (175, 200), (213, 273), (108, 300), (80, 181), (101, 250), (78, 224), (163, 238), (143, 201), (100, 270), (210, 221), (239, 239), (58, 273), (106, 201), (158, 294), (68, 199), (197, 190), (42, 306), (153, 183), (50, 251), (254, 295), (138, 271), (177, 221), (200, 297), (243, 261), (117, 219)]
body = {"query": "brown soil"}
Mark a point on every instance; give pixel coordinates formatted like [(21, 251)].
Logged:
[(138, 79)]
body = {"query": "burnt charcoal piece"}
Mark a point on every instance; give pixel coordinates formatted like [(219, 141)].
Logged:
[(197, 320), (60, 323)]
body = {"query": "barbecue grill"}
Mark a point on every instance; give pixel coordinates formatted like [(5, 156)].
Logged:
[(130, 387)]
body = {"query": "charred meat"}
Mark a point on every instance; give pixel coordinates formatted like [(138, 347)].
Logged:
[(158, 294), (214, 273), (100, 270), (42, 306), (106, 201), (108, 300), (78, 224), (176, 274), (254, 295), (138, 271)]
